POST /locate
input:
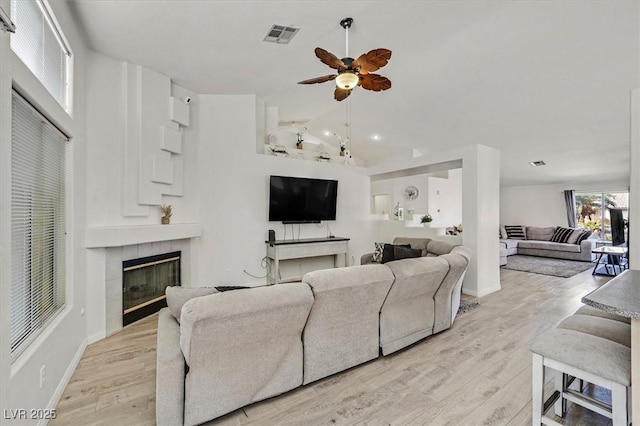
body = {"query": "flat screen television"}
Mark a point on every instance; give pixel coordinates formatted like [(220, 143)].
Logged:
[(302, 200), (617, 227)]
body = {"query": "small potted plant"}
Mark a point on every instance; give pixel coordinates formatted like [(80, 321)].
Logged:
[(299, 141), (166, 214), (426, 220), (343, 148)]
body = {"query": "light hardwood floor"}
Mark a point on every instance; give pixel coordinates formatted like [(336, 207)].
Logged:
[(476, 373)]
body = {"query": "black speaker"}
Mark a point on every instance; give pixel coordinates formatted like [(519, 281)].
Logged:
[(272, 235)]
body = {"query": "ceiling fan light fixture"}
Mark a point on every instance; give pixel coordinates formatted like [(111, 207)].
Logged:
[(347, 80)]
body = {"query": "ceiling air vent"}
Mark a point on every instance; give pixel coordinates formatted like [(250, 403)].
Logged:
[(537, 163), (281, 34)]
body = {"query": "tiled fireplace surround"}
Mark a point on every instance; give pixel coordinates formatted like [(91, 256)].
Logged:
[(110, 246), (114, 257)]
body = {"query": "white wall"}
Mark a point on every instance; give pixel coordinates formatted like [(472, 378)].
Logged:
[(543, 205), (445, 199), (110, 117), (634, 191), (234, 188), (61, 344)]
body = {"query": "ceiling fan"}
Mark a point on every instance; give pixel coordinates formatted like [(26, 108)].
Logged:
[(353, 72)]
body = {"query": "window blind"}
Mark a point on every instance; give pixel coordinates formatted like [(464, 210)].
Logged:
[(38, 151), (39, 44)]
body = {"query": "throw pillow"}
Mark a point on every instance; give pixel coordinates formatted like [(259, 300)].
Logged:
[(584, 234), (405, 253), (515, 232), (503, 233), (540, 234), (387, 252), (377, 253), (561, 235), (177, 296)]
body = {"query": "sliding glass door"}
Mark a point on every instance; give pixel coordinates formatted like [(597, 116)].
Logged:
[(592, 211)]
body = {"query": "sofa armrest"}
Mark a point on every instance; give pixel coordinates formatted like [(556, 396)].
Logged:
[(366, 258), (447, 298), (586, 248), (170, 371)]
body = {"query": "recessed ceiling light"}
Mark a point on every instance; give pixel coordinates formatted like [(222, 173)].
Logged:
[(326, 133), (376, 137), (537, 163)]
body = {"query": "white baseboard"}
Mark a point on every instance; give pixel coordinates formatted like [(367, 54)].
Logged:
[(482, 293), (95, 337), (53, 402)]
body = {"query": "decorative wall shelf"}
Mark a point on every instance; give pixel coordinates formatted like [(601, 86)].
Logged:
[(310, 155), (117, 236)]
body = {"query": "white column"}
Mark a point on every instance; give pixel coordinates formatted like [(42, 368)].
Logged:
[(634, 241), (634, 182), (481, 218)]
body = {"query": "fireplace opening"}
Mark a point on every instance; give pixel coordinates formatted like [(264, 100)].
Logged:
[(143, 284)]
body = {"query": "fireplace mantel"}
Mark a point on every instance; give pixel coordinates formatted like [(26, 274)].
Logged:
[(118, 236)]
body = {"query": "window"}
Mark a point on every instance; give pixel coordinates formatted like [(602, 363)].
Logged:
[(38, 156), (592, 211), (41, 46)]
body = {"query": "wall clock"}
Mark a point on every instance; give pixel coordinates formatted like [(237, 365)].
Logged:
[(411, 192)]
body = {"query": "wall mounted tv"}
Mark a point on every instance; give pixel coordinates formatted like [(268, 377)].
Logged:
[(302, 200)]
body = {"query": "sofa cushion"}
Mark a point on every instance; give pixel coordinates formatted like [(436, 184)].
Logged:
[(400, 252), (515, 232), (377, 253), (549, 245), (416, 243), (177, 296), (241, 347), (388, 252), (561, 235), (578, 236), (439, 247), (541, 234)]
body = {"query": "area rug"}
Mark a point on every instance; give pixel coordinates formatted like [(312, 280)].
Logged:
[(546, 266), (466, 306)]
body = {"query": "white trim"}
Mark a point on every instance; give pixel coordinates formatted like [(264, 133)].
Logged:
[(480, 293), (96, 336), (118, 236), (62, 385)]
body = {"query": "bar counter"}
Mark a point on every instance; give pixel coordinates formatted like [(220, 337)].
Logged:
[(621, 296)]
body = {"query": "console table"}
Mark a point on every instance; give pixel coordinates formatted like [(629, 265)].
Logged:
[(304, 248)]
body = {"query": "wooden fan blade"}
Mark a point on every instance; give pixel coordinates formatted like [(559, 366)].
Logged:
[(330, 59), (341, 94), (373, 60), (374, 82), (319, 79)]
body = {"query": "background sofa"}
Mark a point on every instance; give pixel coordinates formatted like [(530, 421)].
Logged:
[(223, 351), (537, 241)]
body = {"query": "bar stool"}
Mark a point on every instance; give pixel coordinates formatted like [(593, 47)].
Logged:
[(590, 348)]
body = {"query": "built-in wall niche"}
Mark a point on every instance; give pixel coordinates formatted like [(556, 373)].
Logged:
[(438, 194), (382, 204)]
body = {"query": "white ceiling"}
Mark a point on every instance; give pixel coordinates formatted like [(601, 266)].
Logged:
[(538, 80)]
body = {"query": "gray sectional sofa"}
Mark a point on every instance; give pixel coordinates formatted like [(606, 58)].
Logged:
[(537, 242), (226, 350)]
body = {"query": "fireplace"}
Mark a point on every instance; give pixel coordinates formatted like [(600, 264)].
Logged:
[(143, 284)]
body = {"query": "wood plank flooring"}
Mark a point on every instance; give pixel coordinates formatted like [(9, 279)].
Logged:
[(476, 373)]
